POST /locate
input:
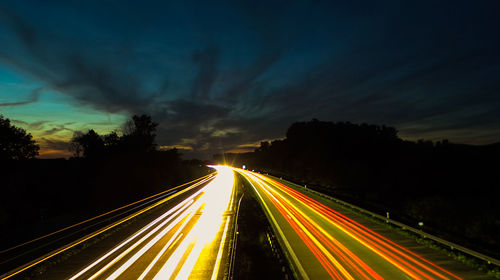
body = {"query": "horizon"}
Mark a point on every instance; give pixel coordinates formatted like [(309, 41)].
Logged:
[(251, 148)]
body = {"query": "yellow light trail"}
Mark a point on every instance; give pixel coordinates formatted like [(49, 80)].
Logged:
[(311, 237), (217, 198), (100, 231), (104, 214), (200, 224), (172, 211), (288, 247), (334, 256)]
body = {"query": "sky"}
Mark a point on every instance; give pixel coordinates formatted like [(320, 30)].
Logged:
[(222, 76)]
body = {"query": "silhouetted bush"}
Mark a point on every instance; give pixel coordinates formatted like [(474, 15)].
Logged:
[(15, 143)]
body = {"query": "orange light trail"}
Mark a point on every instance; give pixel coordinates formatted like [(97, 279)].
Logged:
[(337, 260), (362, 230)]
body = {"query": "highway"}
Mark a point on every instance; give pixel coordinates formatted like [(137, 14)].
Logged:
[(188, 237), (188, 240), (324, 244)]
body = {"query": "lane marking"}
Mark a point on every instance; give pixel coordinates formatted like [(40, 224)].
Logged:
[(301, 271)]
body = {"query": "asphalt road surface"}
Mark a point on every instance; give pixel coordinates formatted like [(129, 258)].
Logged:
[(322, 243), (187, 239), (185, 242)]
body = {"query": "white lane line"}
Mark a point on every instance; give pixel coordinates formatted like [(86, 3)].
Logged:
[(301, 271)]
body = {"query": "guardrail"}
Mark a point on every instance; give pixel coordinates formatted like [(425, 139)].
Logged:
[(452, 245)]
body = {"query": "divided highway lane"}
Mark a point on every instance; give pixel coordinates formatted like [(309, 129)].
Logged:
[(17, 256), (324, 244), (187, 240)]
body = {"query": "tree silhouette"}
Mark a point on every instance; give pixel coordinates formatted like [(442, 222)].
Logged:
[(449, 186), (140, 134), (138, 137), (15, 143), (88, 145), (264, 146)]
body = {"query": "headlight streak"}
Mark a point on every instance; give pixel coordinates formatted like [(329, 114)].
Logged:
[(181, 218), (219, 253), (170, 243), (328, 250), (98, 232), (152, 198), (183, 204), (218, 259), (199, 221), (217, 197)]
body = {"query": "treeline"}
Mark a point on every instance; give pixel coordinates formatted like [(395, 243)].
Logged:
[(107, 171), (452, 188), (138, 138)]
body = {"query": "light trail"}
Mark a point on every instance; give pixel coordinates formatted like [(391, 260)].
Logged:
[(206, 228), (288, 246), (64, 248), (188, 240), (194, 231), (343, 248), (105, 214)]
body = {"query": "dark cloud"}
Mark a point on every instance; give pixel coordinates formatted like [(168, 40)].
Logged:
[(184, 119), (246, 80), (103, 84), (44, 128), (415, 88), (31, 126), (424, 68), (55, 130), (106, 88), (52, 148), (35, 94), (207, 60), (72, 70), (54, 144), (25, 32)]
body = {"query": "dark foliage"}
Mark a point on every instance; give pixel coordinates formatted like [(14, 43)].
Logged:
[(140, 134), (15, 143), (139, 137), (42, 195), (452, 188), (89, 145)]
